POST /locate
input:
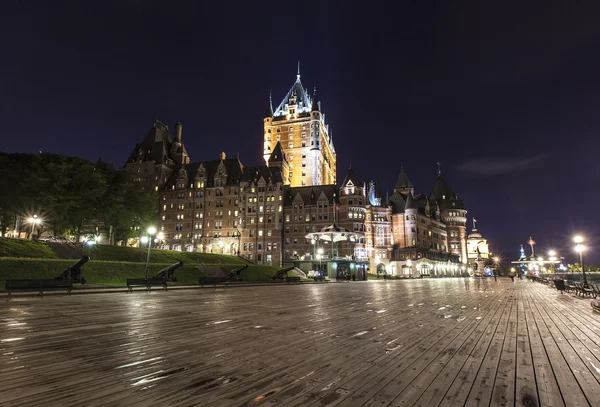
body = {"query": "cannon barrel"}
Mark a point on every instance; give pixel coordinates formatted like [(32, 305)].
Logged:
[(168, 273), (80, 263), (74, 272)]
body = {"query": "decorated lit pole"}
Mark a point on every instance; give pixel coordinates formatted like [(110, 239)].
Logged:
[(151, 232), (552, 257), (579, 247), (34, 220)]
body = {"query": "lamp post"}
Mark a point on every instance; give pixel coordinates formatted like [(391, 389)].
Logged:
[(320, 256), (151, 232), (34, 220), (238, 235), (579, 247), (552, 258)]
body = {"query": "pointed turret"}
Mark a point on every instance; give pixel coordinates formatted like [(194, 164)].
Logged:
[(315, 102), (296, 96), (277, 155), (410, 202), (350, 177), (403, 184), (270, 109)]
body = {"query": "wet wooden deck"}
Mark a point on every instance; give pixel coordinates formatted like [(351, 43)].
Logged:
[(398, 343)]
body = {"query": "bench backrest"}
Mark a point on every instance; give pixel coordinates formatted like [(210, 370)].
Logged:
[(143, 281), (37, 283), (213, 279)]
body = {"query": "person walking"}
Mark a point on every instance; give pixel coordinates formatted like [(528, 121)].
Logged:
[(466, 279)]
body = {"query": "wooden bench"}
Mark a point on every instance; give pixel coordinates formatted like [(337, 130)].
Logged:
[(294, 279), (212, 281), (38, 285), (596, 289), (148, 283), (560, 285)]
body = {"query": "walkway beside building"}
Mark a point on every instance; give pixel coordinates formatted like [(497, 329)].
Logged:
[(376, 343)]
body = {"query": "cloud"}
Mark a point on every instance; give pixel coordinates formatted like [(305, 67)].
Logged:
[(499, 166)]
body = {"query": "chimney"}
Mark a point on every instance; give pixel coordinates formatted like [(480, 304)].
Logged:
[(178, 131), (223, 156)]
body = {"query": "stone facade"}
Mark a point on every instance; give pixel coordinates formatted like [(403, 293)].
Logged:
[(265, 212), (299, 126)]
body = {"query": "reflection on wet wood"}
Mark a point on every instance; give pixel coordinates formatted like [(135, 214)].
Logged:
[(395, 343)]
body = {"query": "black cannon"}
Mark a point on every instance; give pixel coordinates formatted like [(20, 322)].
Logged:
[(74, 272), (281, 274), (168, 273), (235, 275)]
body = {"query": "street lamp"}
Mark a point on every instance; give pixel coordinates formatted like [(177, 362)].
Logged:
[(552, 258), (320, 256), (579, 247), (237, 234), (151, 232), (34, 220)]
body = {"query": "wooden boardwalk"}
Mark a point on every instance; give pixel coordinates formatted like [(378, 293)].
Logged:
[(396, 343)]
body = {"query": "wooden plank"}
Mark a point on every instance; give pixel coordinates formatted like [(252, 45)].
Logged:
[(483, 385), (547, 385), (432, 384), (300, 346), (570, 390), (526, 392), (458, 389)]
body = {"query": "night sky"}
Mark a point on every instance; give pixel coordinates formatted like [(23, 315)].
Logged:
[(505, 96)]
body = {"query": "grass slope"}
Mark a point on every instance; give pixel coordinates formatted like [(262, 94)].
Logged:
[(25, 249), (134, 254), (112, 273)]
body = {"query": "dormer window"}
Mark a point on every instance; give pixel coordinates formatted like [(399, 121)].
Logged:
[(292, 111)]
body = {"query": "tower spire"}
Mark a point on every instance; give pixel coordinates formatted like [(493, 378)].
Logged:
[(298, 74), (439, 168), (270, 109)]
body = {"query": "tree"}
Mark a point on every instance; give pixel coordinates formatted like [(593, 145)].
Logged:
[(126, 207)]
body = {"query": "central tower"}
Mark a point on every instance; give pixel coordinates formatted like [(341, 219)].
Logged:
[(299, 126)]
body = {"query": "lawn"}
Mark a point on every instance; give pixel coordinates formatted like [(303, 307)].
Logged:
[(113, 273), (134, 254), (25, 249)]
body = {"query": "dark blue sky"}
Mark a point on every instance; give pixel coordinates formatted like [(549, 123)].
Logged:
[(504, 96)]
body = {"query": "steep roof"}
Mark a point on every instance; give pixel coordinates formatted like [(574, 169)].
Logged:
[(310, 194), (233, 168), (315, 102), (398, 201), (302, 99), (155, 147), (410, 202), (351, 177), (403, 181), (277, 154), (255, 173), (444, 195)]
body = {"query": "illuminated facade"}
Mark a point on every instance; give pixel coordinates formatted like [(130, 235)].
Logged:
[(264, 213), (298, 124), (477, 247)]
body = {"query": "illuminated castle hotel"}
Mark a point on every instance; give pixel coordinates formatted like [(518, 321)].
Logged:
[(290, 211)]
